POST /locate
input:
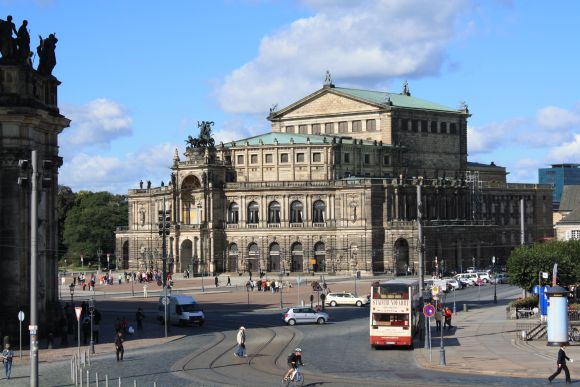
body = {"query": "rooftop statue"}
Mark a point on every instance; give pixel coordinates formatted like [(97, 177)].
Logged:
[(45, 51), (204, 140), (7, 42)]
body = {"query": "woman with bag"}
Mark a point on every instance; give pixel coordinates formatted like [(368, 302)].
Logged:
[(241, 339)]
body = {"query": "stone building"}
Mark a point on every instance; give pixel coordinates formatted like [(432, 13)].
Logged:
[(29, 120), (333, 188)]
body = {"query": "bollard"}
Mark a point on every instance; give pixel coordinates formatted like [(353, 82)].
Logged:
[(96, 379), (155, 384), (134, 383), (89, 357), (465, 308), (81, 378), (50, 340), (119, 381), (106, 380), (88, 379)]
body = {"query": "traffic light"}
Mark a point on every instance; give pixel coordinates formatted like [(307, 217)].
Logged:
[(164, 222), (23, 179)]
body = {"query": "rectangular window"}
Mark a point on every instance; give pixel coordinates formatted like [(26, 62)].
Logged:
[(269, 158), (404, 124), (299, 157), (253, 159), (284, 157), (453, 128), (357, 126), (415, 126), (303, 129), (386, 160), (575, 234), (240, 159), (329, 128), (315, 128), (371, 125), (347, 157), (424, 127), (290, 129), (433, 126), (316, 157), (228, 160), (367, 159), (343, 127), (443, 127)]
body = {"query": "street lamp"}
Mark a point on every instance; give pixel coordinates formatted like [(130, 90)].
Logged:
[(281, 275), (495, 281), (72, 293), (92, 312), (99, 253)]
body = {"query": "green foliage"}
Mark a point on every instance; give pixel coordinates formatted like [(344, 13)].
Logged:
[(525, 263), (528, 302), (90, 224), (64, 202)]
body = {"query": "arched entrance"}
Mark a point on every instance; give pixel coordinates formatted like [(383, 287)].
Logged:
[(125, 256), (232, 263), (274, 258), (401, 256), (319, 257), (185, 254), (253, 261), (297, 257)]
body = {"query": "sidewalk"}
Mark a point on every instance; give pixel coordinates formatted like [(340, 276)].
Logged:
[(484, 342)]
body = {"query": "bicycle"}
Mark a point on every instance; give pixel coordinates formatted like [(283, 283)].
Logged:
[(296, 378)]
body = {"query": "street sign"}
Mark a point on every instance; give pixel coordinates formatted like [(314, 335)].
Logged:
[(429, 310), (62, 280), (164, 300), (435, 290), (545, 275), (21, 316), (78, 311)]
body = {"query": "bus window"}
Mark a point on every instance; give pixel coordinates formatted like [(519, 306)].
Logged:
[(391, 292), (391, 319)]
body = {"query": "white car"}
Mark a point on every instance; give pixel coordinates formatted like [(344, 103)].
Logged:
[(334, 299)]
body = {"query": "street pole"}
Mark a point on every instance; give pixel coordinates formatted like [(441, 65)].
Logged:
[(164, 230), (421, 259), (281, 290), (441, 347), (92, 311), (495, 282), (454, 289), (33, 274)]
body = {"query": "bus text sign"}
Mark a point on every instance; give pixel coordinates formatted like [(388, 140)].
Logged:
[(390, 306)]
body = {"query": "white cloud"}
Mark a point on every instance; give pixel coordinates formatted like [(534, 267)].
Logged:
[(555, 118), (488, 137), (525, 170), (568, 152), (97, 123), (115, 174), (360, 42)]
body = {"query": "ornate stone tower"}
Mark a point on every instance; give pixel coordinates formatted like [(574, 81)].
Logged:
[(29, 120)]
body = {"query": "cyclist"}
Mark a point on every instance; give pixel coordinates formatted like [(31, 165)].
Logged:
[(294, 359)]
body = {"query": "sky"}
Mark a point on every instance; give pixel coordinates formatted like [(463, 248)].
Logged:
[(137, 76)]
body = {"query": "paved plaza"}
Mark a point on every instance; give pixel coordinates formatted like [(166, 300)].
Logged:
[(481, 349)]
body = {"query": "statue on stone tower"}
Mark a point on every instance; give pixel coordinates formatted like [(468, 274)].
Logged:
[(204, 140), (23, 42), (46, 55), (7, 42)]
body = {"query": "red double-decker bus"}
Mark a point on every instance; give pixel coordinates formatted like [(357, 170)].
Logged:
[(395, 312)]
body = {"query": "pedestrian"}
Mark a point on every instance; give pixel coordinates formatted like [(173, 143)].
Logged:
[(86, 327), (438, 318), (448, 314), (139, 316), (217, 282), (241, 339), (561, 363), (229, 281), (119, 345), (7, 356)]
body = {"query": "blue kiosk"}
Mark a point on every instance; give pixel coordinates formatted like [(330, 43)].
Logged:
[(557, 316)]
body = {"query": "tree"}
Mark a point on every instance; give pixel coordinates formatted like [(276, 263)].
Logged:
[(64, 202), (525, 263), (90, 225)]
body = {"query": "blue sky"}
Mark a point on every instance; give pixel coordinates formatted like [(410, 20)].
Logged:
[(137, 75)]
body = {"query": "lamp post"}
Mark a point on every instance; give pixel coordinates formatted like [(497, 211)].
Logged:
[(108, 258), (495, 281), (72, 293), (92, 313), (201, 263), (281, 275), (99, 253)]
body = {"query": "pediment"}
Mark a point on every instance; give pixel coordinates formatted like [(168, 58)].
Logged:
[(325, 104)]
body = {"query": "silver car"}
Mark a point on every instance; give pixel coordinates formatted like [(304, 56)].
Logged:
[(304, 314)]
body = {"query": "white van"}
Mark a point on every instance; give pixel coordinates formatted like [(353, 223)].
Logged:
[(182, 310), (467, 278)]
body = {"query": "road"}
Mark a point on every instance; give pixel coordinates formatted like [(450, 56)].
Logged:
[(335, 354)]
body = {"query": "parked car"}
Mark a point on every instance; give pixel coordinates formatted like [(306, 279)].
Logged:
[(334, 299), (304, 314), (500, 278), (467, 278), (484, 275), (455, 284)]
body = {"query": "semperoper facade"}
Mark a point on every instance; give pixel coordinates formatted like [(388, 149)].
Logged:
[(333, 188)]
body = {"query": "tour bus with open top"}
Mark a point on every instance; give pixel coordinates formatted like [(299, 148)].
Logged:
[(395, 312)]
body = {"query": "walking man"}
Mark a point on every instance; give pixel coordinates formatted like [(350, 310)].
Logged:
[(229, 281), (139, 316), (561, 363), (119, 345), (217, 281), (7, 356), (241, 339)]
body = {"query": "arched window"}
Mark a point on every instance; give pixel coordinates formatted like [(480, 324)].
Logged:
[(253, 213), (234, 213), (232, 260), (318, 212), (296, 211), (297, 257), (274, 212), (253, 261), (274, 258)]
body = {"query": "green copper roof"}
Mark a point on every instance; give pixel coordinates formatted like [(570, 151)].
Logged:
[(287, 138), (398, 100)]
